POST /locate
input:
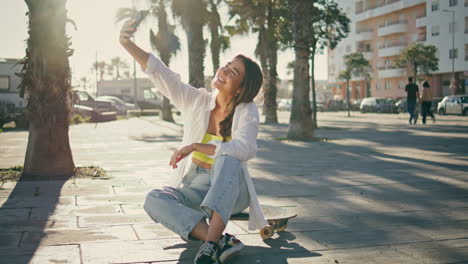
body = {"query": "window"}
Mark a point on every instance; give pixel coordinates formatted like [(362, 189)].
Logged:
[(453, 2), (466, 2), (348, 48), (435, 5), (466, 25), (453, 54), (388, 85), (466, 52), (435, 30), (4, 82), (378, 85), (401, 85)]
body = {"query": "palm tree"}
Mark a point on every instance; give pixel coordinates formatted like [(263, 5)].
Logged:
[(100, 67), (300, 123), (116, 64), (262, 16), (218, 42), (166, 43), (46, 81), (192, 15)]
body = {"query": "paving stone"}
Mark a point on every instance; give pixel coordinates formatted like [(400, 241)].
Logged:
[(73, 236), (105, 220), (372, 236), (66, 254), (437, 251), (110, 200), (10, 240), (138, 251), (43, 201)]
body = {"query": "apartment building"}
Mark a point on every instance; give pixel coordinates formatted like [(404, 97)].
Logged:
[(381, 29)]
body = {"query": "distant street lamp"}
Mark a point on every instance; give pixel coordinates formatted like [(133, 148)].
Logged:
[(453, 82)]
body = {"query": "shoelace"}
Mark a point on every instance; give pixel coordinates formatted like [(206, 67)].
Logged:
[(206, 249)]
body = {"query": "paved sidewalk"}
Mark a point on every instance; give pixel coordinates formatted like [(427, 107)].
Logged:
[(375, 190)]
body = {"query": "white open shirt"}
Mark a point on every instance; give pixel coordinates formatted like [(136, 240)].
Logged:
[(196, 106)]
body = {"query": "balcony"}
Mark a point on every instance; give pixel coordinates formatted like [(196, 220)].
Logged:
[(389, 6), (421, 21), (391, 72), (391, 50), (393, 28), (365, 35)]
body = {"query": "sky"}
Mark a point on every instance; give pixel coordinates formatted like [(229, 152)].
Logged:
[(97, 33)]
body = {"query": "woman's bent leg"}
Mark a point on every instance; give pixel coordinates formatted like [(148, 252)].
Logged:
[(171, 208), (228, 193)]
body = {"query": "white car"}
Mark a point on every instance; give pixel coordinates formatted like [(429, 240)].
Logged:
[(122, 107), (453, 105)]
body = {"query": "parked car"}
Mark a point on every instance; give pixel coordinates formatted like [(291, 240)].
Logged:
[(104, 110), (377, 105), (435, 103), (400, 105), (284, 104), (453, 105), (121, 106), (11, 111), (336, 105)]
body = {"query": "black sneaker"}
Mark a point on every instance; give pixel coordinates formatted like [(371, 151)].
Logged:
[(229, 246), (207, 254)]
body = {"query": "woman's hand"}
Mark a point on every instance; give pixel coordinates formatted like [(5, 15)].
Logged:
[(127, 32), (181, 153)]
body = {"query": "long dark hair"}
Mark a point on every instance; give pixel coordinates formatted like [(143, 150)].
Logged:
[(251, 84)]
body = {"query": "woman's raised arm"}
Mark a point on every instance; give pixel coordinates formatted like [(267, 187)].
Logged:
[(126, 33)]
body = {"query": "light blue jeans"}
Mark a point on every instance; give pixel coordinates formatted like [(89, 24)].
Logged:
[(222, 189)]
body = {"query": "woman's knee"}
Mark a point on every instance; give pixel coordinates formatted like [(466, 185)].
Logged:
[(156, 199)]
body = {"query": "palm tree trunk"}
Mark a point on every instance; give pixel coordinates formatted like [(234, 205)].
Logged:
[(312, 77), (46, 77), (272, 51), (260, 51), (165, 55), (196, 46), (300, 123), (215, 44)]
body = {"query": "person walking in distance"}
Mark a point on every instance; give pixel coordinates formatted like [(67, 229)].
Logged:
[(220, 136), (412, 95), (426, 102)]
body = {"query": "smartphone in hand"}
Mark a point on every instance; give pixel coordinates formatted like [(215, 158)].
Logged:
[(138, 18)]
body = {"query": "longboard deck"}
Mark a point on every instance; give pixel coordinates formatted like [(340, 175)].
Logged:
[(270, 212), (277, 218)]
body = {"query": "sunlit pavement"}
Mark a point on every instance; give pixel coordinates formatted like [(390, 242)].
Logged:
[(370, 189)]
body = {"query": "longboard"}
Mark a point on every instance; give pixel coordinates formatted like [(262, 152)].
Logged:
[(277, 218)]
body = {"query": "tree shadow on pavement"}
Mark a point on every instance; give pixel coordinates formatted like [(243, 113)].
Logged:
[(374, 184), (25, 215)]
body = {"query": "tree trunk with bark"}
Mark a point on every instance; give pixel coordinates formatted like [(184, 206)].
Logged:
[(300, 124), (46, 82), (272, 51), (314, 94), (196, 46)]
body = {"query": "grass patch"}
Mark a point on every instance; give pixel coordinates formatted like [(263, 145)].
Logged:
[(94, 172), (78, 119), (11, 174)]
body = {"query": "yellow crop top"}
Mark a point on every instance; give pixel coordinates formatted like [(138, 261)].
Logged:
[(207, 138)]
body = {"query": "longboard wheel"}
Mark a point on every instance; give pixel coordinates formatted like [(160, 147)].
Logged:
[(267, 232)]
